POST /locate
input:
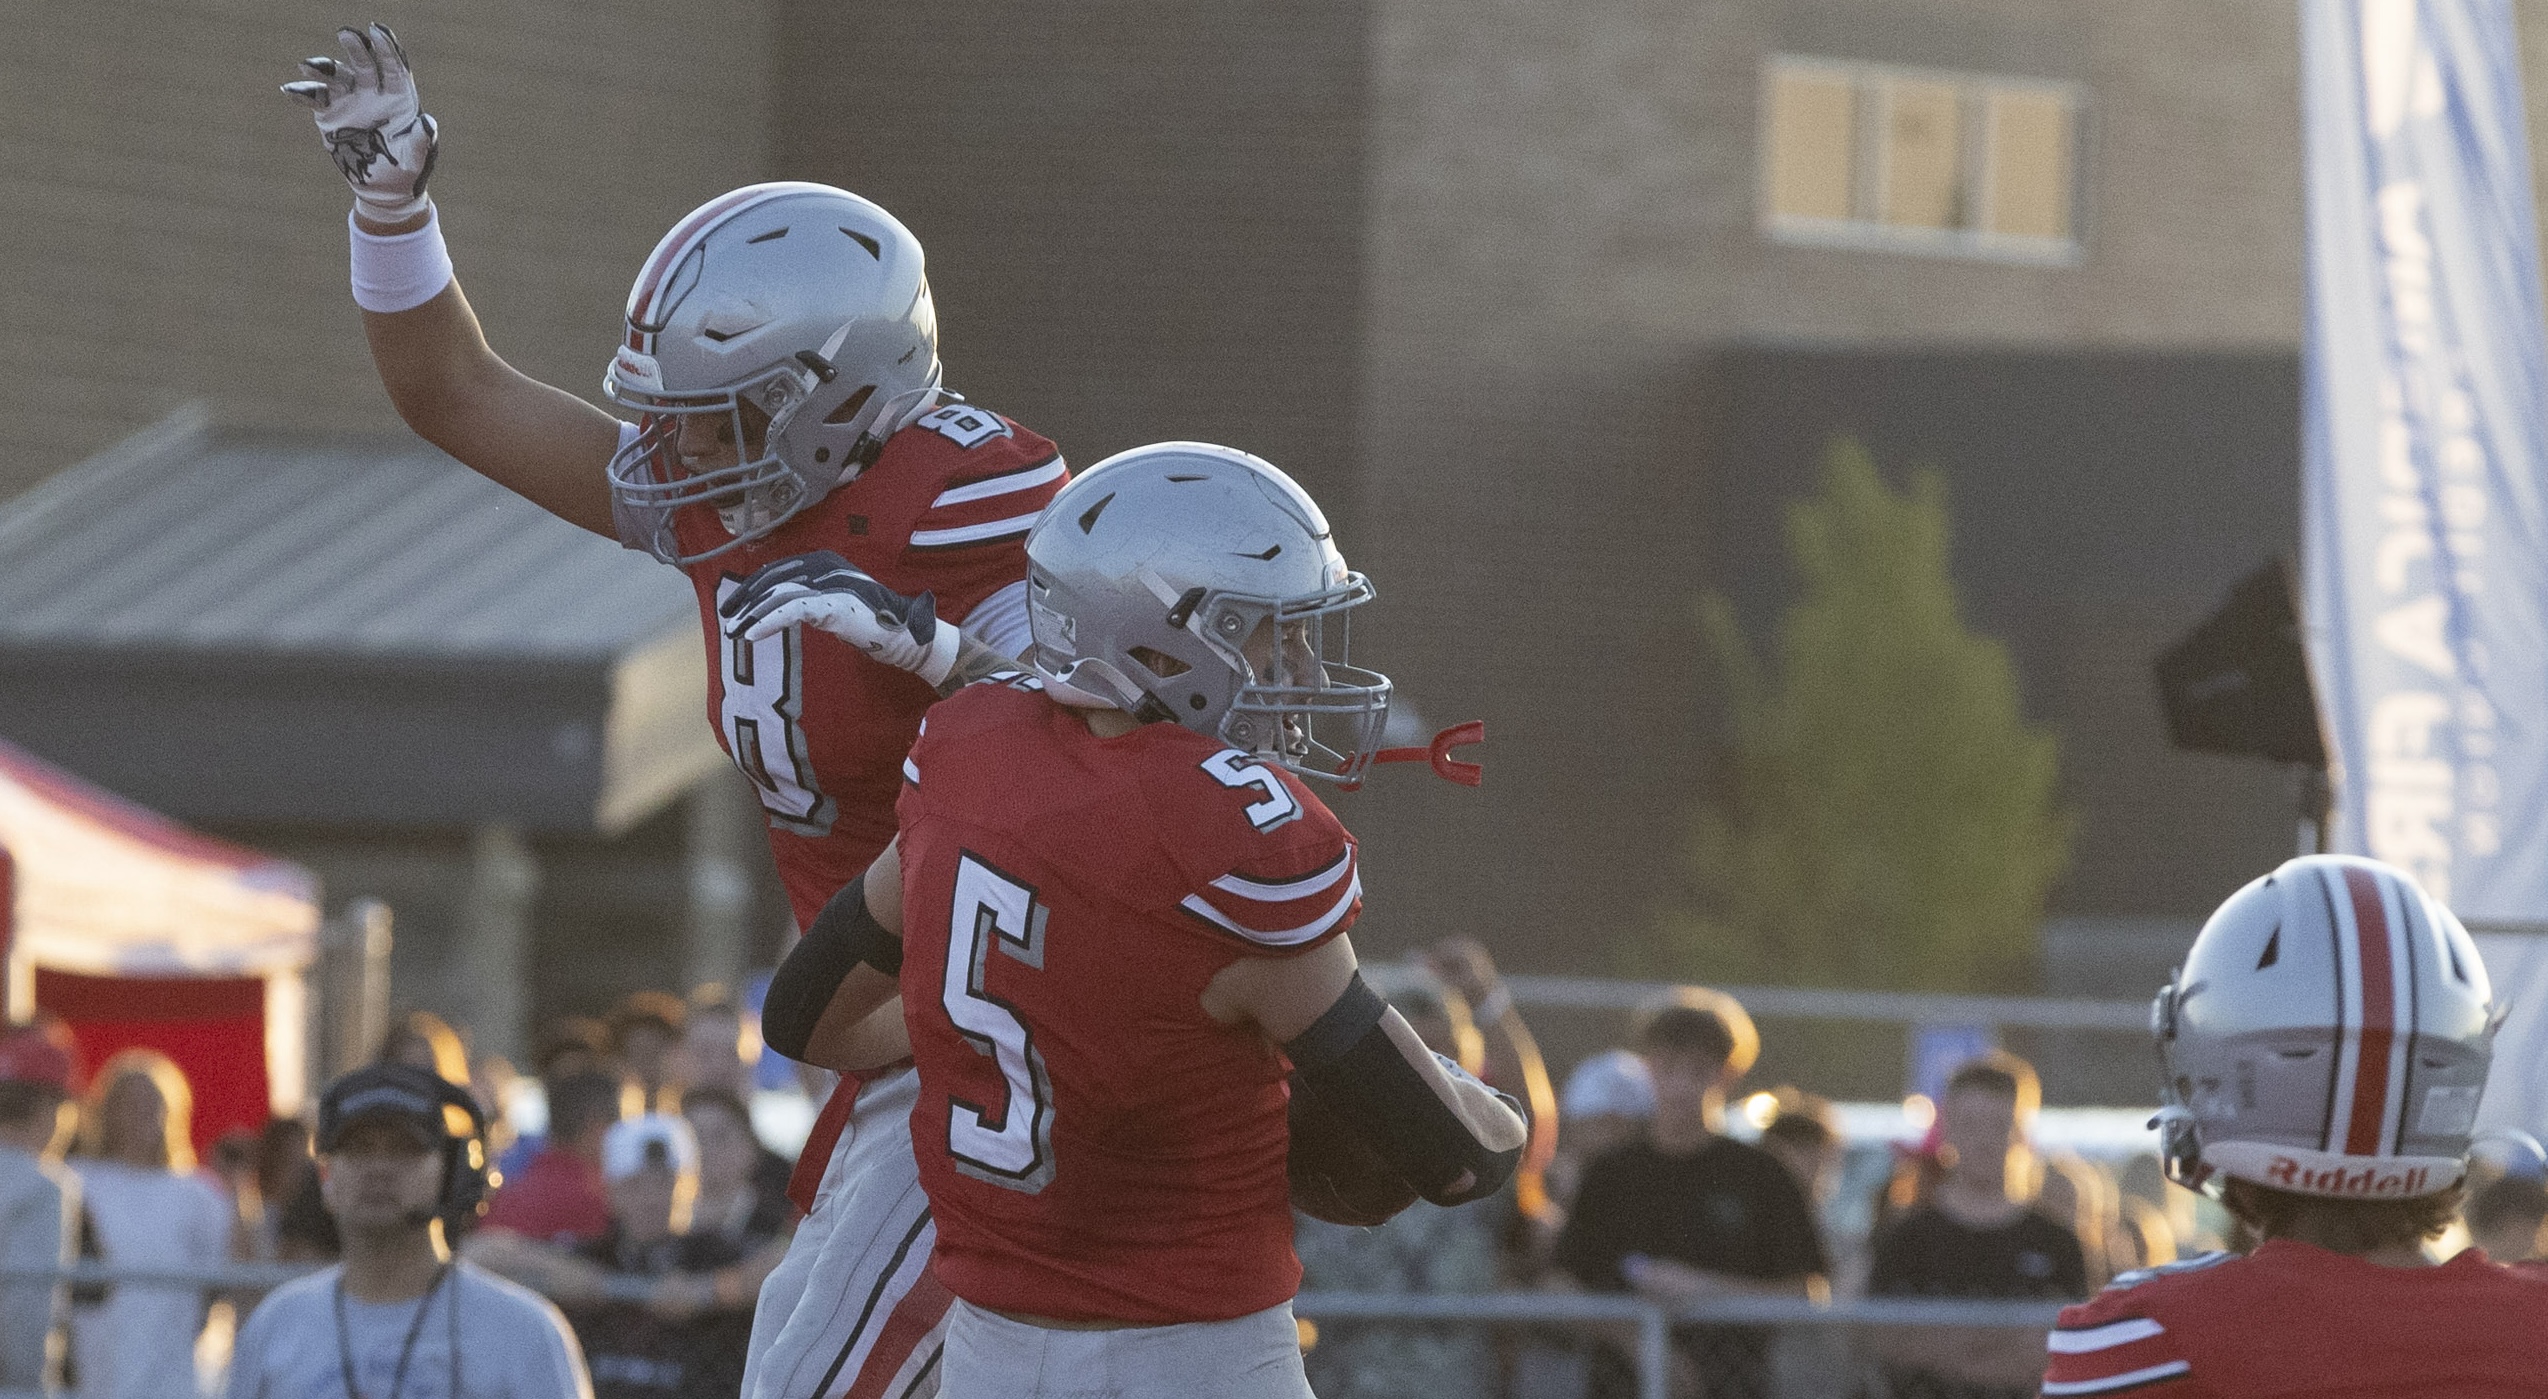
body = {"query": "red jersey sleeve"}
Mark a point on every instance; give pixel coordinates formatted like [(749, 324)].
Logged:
[(1269, 868), (969, 540), (2119, 1341)]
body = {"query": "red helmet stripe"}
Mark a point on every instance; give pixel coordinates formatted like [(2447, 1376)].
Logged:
[(2379, 1013), (676, 245)]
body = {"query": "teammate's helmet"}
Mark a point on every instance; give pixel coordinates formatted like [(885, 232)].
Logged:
[(804, 301), (2328, 1035), (1197, 583)]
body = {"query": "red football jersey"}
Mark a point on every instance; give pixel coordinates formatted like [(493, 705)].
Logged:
[(2297, 1320), (1094, 1146), (821, 729)]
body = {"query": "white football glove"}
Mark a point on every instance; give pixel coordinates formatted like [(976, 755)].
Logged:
[(382, 141), (829, 593)]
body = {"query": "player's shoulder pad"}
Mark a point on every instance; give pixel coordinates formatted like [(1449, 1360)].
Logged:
[(1269, 864), (987, 478), (964, 716), (2122, 1338), (2139, 1277)]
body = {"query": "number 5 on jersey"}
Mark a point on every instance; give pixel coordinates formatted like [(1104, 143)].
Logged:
[(1239, 772), (1008, 1144)]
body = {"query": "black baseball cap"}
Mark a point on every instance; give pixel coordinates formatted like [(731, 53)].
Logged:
[(400, 1092)]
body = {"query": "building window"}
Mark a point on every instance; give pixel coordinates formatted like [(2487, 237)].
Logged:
[(1907, 160)]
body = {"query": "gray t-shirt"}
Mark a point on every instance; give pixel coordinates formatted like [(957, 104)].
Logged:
[(39, 1213), (512, 1344)]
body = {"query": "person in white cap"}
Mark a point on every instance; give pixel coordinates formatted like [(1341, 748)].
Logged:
[(689, 1334)]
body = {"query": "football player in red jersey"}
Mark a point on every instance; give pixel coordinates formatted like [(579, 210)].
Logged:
[(2325, 1046), (1113, 912), (781, 355)]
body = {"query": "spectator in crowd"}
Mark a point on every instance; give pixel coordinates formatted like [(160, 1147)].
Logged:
[(2160, 1218), (1506, 1055), (1608, 1101), (645, 1032), (426, 1041), (560, 1198), (279, 1166), (1976, 1235), (39, 1208), (147, 1208), (2504, 1217), (1685, 1212), (689, 1338), (400, 1316), (713, 1052), (563, 1046), (742, 1184), (1426, 1248), (2083, 1197), (1803, 1132), (298, 1225)]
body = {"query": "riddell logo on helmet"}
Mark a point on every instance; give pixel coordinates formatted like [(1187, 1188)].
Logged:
[(2357, 1183)]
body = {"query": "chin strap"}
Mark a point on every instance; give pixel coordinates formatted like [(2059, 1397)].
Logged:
[(1438, 753)]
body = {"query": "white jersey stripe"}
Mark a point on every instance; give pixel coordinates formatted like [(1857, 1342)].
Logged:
[(974, 534), (911, 772), (2111, 1383), (1283, 937), (2106, 1337), (1026, 479), (1283, 892)]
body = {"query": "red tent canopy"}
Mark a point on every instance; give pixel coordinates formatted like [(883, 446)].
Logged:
[(141, 933)]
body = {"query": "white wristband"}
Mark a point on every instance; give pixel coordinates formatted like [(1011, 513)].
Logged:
[(399, 271), (939, 659)]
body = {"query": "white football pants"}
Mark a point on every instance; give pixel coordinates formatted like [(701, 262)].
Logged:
[(1257, 1356), (852, 1312)]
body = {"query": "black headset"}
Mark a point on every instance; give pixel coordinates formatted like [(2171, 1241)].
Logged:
[(467, 1175)]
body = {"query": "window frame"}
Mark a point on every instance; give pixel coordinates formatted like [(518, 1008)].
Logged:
[(1870, 85)]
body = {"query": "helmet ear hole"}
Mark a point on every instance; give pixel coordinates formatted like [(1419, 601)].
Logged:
[(849, 406), (1158, 663)]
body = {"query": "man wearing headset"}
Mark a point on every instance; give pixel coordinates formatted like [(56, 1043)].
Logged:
[(402, 1160)]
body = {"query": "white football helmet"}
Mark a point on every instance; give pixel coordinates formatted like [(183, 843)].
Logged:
[(1197, 583), (806, 302), (2329, 1035)]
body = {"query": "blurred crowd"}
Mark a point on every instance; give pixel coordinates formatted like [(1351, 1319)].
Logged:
[(1665, 1179), (647, 1165), (1650, 1172)]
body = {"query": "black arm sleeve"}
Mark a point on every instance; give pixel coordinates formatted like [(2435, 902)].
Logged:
[(844, 935), (1350, 1061)]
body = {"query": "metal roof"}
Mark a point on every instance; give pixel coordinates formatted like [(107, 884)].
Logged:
[(190, 538)]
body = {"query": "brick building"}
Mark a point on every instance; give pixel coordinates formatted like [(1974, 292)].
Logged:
[(1555, 305)]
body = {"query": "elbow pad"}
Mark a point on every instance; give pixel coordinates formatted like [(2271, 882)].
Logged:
[(1360, 1071), (845, 934)]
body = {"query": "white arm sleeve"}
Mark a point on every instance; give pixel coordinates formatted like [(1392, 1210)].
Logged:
[(1000, 621)]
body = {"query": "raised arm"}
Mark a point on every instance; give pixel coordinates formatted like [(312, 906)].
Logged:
[(539, 441)]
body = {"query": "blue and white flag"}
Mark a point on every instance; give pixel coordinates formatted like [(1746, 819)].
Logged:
[(2425, 446)]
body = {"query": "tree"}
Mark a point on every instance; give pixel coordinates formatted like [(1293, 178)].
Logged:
[(1887, 817)]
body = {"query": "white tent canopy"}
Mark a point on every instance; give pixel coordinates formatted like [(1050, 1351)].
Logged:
[(95, 885)]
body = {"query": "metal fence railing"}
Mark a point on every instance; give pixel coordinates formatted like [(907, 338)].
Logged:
[(1649, 1330), (1654, 1327)]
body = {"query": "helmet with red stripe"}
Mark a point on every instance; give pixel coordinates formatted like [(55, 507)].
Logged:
[(2328, 1035), (801, 316)]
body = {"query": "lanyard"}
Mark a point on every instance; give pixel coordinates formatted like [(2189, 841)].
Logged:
[(406, 1350)]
